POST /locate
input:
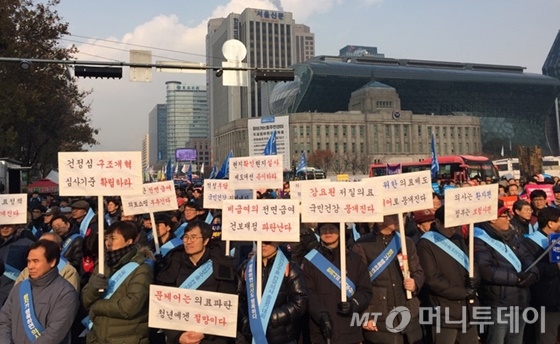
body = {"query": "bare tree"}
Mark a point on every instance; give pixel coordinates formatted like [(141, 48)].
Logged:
[(321, 158), (338, 164)]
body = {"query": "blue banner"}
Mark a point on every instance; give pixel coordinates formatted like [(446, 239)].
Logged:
[(224, 170), (379, 264), (435, 164), (448, 247), (31, 324), (330, 271), (270, 148), (502, 248), (201, 274), (302, 162)]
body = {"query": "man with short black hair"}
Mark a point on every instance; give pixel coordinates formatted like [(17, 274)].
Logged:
[(46, 301)]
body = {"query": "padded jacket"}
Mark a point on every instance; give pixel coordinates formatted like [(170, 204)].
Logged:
[(289, 307), (123, 318)]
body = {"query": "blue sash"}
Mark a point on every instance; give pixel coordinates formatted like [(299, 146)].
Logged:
[(114, 283), (201, 274), (533, 228), (500, 247), (85, 222), (264, 310), (67, 243), (539, 239), (329, 270), (61, 264), (11, 272), (34, 231), (108, 219), (448, 247), (379, 264), (355, 232), (150, 235), (209, 218), (179, 232), (168, 246), (31, 325)]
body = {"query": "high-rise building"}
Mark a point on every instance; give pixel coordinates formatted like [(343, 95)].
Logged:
[(157, 131), (187, 115), (272, 39), (145, 151)]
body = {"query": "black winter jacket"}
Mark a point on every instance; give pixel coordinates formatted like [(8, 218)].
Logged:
[(324, 296), (546, 292), (74, 254), (446, 281), (179, 267), (387, 288), (499, 279), (289, 307)]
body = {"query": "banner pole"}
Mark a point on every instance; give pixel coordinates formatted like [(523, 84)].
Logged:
[(154, 231), (342, 246), (406, 272)]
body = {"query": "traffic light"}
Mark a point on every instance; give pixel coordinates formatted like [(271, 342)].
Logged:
[(272, 75), (98, 72)]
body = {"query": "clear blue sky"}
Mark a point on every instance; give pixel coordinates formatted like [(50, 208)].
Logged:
[(512, 32)]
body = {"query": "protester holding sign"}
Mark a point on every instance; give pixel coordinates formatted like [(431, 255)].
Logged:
[(46, 302), (330, 318), (118, 301), (504, 282), (379, 250), (545, 292), (283, 303), (13, 251), (197, 264), (444, 256)]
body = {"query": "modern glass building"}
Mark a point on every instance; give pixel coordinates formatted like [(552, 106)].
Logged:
[(157, 127), (512, 105), (187, 115)]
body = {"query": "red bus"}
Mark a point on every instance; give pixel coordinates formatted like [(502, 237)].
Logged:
[(451, 167)]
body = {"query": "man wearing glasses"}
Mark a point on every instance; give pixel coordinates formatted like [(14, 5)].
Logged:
[(538, 203), (200, 265)]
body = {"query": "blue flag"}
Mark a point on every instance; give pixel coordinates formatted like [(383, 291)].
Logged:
[(169, 171), (435, 164), (224, 170), (212, 173), (270, 148), (189, 173), (302, 162)]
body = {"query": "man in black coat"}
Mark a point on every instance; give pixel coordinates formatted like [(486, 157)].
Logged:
[(331, 318), (72, 241), (389, 286), (546, 291), (444, 256), (290, 304), (184, 261), (504, 283)]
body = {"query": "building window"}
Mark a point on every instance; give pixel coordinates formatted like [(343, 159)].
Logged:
[(361, 129), (397, 147), (344, 147), (375, 132), (307, 130), (384, 104), (336, 131), (444, 131), (328, 146), (406, 148), (405, 130), (318, 145), (353, 131), (445, 148), (419, 131), (327, 129), (388, 147), (396, 130), (459, 132), (301, 131), (467, 132), (420, 147), (318, 128), (336, 147), (437, 131), (362, 147), (452, 148), (430, 131), (467, 147), (353, 147), (451, 132), (343, 131), (387, 131), (375, 147)]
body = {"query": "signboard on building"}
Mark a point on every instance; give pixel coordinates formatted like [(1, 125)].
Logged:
[(260, 129)]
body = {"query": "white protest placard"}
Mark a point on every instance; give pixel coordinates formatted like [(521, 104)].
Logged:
[(156, 197), (341, 202), (296, 185), (216, 191), (406, 192), (471, 205), (100, 173), (255, 172), (193, 310), (13, 209), (260, 220)]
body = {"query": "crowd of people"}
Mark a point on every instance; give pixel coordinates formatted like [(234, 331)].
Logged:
[(51, 290)]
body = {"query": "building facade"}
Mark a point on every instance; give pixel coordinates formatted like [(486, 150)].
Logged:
[(511, 104), (203, 154), (145, 152), (272, 39), (187, 115), (375, 129), (157, 131)]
